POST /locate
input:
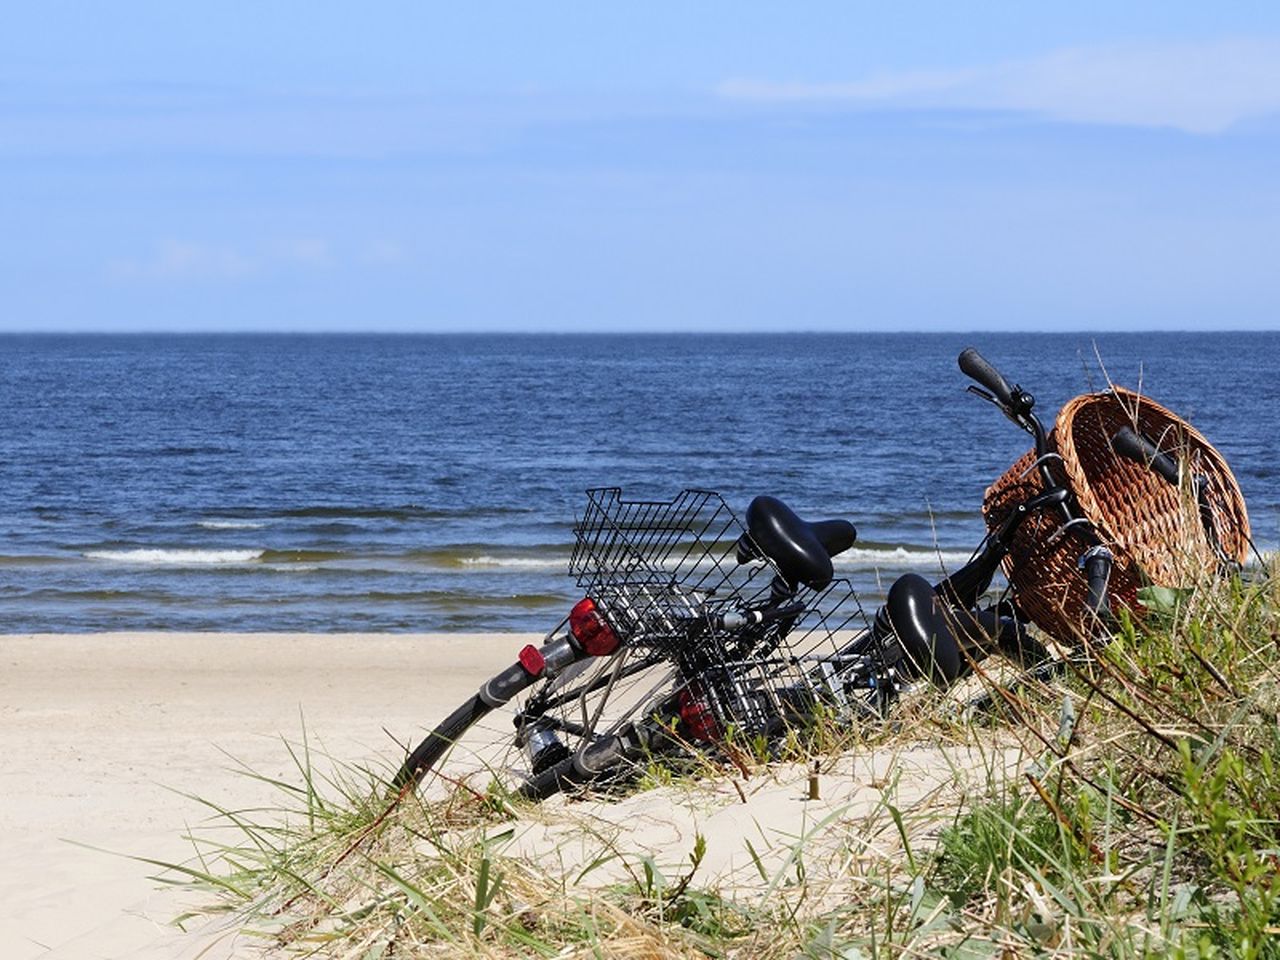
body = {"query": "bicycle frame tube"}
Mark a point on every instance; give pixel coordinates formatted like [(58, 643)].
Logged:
[(968, 583)]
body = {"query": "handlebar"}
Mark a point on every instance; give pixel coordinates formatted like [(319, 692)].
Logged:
[(1016, 403), (966, 584), (1133, 446), (976, 367)]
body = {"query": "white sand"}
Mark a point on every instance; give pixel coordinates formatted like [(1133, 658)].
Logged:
[(105, 736), (102, 735), (755, 838)]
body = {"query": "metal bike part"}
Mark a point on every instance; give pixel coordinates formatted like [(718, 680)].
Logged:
[(555, 655), (964, 587), (1017, 405), (1139, 449), (1136, 448), (1063, 530), (1096, 562), (667, 612), (544, 747), (1039, 462)]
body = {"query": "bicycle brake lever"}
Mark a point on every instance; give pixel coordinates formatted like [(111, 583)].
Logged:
[(1014, 418)]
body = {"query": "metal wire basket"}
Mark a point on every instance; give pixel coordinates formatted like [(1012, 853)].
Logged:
[(665, 576), (1153, 529)]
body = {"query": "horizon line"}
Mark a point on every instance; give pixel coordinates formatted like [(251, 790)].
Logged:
[(343, 332)]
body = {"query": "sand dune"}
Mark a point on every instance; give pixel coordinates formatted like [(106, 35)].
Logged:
[(108, 738)]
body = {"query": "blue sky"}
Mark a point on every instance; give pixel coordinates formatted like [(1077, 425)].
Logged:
[(658, 166)]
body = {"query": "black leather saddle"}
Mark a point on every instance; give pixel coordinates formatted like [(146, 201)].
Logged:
[(801, 550), (917, 617), (939, 640)]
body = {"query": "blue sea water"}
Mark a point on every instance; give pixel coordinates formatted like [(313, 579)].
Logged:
[(401, 483)]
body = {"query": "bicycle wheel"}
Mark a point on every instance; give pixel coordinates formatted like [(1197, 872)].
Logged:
[(569, 729)]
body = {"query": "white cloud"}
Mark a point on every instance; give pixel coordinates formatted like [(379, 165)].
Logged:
[(1200, 88), (885, 86), (176, 260), (308, 251), (384, 252)]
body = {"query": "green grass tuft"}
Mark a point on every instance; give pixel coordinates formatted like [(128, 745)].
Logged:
[(1138, 817)]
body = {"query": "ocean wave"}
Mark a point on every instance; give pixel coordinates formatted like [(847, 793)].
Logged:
[(861, 558), (25, 560), (528, 563), (405, 511), (175, 558), (857, 558), (303, 555), (297, 560), (457, 598), (115, 595), (230, 524)]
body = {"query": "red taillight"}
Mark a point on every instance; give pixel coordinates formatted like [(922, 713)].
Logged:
[(589, 629), (697, 717)]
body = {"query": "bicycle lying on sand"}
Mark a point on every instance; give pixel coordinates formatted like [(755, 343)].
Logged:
[(698, 631)]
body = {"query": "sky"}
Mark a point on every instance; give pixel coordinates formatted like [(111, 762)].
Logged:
[(575, 166)]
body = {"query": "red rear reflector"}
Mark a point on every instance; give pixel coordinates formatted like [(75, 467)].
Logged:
[(589, 629), (697, 717), (532, 660)]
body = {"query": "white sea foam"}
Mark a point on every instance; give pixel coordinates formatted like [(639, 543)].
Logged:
[(230, 525), (898, 557), (176, 558), (858, 558), (529, 563)]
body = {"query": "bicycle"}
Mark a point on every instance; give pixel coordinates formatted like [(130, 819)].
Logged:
[(698, 632), (694, 628)]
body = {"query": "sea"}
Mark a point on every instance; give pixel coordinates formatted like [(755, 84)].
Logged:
[(431, 483)]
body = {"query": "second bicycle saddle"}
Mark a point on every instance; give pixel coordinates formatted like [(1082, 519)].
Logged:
[(916, 615), (801, 550)]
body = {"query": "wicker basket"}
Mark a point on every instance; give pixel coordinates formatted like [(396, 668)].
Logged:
[(1153, 529)]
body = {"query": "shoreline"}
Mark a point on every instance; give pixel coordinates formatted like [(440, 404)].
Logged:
[(110, 737)]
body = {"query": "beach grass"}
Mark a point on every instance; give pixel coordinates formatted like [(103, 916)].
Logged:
[(1129, 808)]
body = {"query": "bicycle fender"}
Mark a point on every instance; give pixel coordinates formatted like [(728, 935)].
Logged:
[(551, 658)]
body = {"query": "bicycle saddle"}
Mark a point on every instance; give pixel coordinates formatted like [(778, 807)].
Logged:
[(918, 617), (801, 550)]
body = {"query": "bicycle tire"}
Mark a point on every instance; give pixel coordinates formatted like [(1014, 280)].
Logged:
[(480, 747), (423, 757)]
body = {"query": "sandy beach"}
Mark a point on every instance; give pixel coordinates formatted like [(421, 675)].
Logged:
[(109, 738), (106, 736)]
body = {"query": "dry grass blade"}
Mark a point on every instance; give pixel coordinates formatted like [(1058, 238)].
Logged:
[(1125, 810)]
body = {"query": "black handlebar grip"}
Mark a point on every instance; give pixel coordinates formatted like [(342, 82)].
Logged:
[(975, 366), (1133, 446)]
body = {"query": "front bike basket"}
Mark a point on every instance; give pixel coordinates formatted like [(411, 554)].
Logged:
[(1153, 529), (665, 575)]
